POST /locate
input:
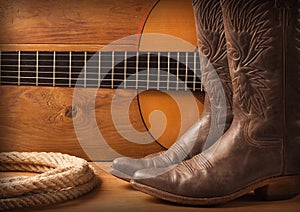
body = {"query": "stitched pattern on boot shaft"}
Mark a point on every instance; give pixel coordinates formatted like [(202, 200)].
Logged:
[(210, 15), (254, 39), (212, 45)]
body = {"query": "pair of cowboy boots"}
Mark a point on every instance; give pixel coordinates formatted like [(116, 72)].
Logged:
[(217, 114), (260, 150)]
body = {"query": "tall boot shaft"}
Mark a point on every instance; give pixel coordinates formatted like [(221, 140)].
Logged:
[(254, 37), (212, 45), (214, 70), (263, 52)]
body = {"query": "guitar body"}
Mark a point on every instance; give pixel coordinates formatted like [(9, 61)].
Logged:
[(174, 18), (129, 122)]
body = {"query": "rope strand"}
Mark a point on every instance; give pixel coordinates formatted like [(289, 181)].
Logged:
[(62, 177)]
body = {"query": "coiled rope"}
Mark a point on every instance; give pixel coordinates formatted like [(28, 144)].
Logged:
[(62, 177)]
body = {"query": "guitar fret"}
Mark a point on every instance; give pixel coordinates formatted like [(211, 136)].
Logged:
[(186, 70), (125, 69), (158, 70), (137, 70), (19, 67), (37, 69), (113, 69), (53, 69), (84, 69), (148, 69), (177, 78), (99, 68), (70, 68), (168, 70), (194, 80)]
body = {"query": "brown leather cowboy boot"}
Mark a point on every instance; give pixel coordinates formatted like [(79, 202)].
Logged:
[(216, 79), (261, 149)]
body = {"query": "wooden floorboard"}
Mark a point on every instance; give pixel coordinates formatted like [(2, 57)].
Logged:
[(117, 195)]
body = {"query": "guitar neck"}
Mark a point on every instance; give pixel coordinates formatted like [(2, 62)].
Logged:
[(126, 70)]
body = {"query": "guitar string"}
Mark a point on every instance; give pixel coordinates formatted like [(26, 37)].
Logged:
[(38, 72), (93, 61), (66, 75), (40, 83), (142, 62), (109, 86), (91, 54), (94, 76), (89, 66), (96, 80), (105, 54), (107, 60)]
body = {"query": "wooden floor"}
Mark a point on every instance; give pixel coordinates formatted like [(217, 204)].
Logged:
[(116, 195)]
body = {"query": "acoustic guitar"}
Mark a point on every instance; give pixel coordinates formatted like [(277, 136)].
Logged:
[(131, 90)]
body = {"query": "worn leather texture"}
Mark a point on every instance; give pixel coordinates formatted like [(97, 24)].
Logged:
[(263, 140), (292, 92)]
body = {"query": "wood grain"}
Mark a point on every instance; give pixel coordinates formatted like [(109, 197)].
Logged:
[(33, 119), (71, 21), (40, 119)]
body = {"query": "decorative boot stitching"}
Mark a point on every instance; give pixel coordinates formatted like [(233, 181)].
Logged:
[(187, 166), (201, 161), (210, 21), (249, 81), (210, 16), (165, 158), (213, 46), (180, 152)]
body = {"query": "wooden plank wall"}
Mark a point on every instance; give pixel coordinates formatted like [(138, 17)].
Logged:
[(70, 24), (38, 118)]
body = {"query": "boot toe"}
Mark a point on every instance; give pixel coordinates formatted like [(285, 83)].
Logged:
[(153, 181), (151, 172), (125, 167)]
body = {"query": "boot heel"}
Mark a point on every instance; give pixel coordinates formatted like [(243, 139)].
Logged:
[(281, 189)]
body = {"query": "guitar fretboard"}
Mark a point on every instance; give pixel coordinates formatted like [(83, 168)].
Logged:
[(126, 70)]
